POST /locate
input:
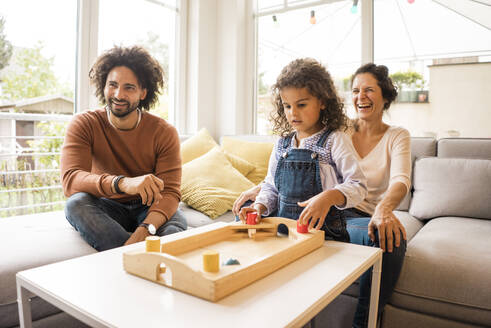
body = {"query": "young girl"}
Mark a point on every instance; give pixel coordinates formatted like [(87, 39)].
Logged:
[(313, 173)]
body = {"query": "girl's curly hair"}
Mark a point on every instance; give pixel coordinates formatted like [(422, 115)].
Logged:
[(148, 71), (310, 74)]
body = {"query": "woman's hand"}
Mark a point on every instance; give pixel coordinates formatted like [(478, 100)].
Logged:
[(259, 208), (249, 194), (317, 207), (389, 228)]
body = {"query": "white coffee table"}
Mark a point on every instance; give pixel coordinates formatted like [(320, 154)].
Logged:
[(96, 290)]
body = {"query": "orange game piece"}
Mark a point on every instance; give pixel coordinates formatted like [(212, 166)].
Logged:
[(251, 218), (302, 228)]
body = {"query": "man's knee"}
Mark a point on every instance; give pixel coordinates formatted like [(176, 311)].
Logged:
[(78, 201)]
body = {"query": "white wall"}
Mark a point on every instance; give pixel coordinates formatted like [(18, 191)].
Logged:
[(220, 67), (459, 100)]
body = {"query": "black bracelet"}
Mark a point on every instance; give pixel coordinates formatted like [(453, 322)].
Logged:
[(116, 184)]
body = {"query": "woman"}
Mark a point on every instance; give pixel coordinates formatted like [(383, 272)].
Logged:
[(383, 152)]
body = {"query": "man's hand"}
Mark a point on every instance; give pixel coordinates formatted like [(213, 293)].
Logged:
[(147, 186), (389, 229), (139, 235)]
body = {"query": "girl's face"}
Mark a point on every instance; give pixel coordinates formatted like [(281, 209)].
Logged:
[(302, 110), (367, 97)]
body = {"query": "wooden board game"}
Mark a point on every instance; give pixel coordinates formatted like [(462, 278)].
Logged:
[(187, 264)]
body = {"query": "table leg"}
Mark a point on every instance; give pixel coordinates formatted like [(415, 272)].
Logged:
[(374, 292), (24, 307)]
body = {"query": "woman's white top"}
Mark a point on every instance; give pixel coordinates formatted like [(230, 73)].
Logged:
[(389, 162)]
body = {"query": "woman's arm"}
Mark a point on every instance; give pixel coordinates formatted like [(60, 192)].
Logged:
[(383, 219)]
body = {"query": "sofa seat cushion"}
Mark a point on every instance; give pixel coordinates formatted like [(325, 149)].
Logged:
[(197, 219), (447, 270), (30, 241)]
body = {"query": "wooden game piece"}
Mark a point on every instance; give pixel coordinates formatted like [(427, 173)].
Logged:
[(162, 268), (152, 244), (302, 228), (251, 218), (211, 261)]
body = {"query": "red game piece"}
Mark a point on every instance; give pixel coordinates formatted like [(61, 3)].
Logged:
[(251, 218), (302, 228)]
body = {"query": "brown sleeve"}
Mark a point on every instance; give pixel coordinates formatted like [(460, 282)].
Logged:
[(168, 168), (76, 161)]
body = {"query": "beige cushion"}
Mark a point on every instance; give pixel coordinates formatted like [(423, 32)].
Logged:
[(451, 187), (210, 184)]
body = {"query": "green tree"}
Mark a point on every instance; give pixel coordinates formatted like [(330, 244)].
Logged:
[(407, 80), (30, 75), (5, 46), (263, 88)]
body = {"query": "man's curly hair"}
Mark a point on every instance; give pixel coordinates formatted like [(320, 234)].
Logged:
[(148, 71), (310, 74)]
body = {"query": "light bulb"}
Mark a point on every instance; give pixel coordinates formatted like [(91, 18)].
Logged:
[(410, 1), (354, 9), (312, 17)]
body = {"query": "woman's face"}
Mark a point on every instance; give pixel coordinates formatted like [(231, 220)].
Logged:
[(367, 97)]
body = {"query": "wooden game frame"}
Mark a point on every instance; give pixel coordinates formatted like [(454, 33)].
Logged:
[(259, 249)]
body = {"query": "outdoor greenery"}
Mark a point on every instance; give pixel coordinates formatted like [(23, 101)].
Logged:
[(408, 80), (5, 46)]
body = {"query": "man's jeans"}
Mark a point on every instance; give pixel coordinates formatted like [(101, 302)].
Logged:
[(106, 224), (391, 268)]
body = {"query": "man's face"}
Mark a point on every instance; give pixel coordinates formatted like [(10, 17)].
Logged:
[(122, 91)]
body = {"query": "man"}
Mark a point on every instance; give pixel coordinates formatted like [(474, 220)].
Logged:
[(121, 166)]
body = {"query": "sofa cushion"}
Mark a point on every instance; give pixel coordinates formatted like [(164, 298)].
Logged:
[(465, 148), (211, 184), (451, 187), (33, 240), (410, 223), (197, 145), (257, 153), (446, 270), (197, 219), (420, 147)]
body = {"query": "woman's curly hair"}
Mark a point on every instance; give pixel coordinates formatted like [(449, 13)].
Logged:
[(310, 74), (148, 71), (381, 74)]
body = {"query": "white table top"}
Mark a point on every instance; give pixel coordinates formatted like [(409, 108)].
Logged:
[(97, 289)]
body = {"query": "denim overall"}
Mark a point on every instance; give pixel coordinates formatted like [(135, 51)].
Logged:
[(297, 179)]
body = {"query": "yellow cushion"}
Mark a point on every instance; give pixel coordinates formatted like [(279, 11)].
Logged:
[(241, 165), (210, 184), (197, 145), (256, 153)]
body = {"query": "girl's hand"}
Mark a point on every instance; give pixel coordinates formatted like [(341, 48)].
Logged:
[(316, 209), (259, 208), (249, 194), (389, 229)]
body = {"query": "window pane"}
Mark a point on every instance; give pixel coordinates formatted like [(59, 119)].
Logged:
[(439, 55), (151, 24), (334, 40), (37, 79)]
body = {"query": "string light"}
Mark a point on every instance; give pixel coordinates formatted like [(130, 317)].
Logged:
[(354, 8), (410, 1), (312, 17)]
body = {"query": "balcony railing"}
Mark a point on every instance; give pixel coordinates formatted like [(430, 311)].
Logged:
[(29, 164)]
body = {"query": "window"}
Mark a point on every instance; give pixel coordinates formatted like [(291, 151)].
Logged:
[(439, 54), (329, 32), (150, 23), (37, 79)]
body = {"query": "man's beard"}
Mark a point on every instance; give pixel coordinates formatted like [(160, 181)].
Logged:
[(131, 107)]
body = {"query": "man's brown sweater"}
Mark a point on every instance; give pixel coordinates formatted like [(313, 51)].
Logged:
[(95, 152)]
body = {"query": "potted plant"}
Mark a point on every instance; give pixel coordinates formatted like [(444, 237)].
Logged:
[(407, 84)]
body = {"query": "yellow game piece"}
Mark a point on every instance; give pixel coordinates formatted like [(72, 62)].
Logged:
[(152, 244), (211, 261), (162, 268)]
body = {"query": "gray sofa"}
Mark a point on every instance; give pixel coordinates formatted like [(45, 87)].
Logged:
[(445, 280)]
